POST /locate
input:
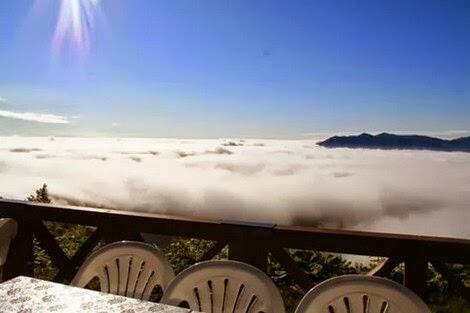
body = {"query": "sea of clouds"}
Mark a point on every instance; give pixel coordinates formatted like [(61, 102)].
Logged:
[(280, 181)]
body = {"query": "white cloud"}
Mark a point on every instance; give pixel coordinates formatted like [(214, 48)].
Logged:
[(418, 192), (3, 99), (35, 117), (115, 124)]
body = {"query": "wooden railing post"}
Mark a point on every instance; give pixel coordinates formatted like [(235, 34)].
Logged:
[(416, 276), (251, 245), (20, 259), (249, 251)]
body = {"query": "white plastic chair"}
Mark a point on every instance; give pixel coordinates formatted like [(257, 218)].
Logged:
[(8, 230), (359, 294), (126, 268), (224, 286)]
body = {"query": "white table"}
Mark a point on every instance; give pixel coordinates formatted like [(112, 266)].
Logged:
[(29, 295)]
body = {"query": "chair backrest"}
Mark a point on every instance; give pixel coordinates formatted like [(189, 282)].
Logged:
[(126, 268), (8, 229), (357, 293), (224, 286)]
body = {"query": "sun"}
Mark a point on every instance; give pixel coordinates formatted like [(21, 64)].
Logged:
[(75, 25)]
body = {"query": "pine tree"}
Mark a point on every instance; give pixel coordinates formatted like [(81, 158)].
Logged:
[(42, 195)]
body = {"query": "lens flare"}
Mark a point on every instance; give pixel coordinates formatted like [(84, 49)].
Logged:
[(75, 25)]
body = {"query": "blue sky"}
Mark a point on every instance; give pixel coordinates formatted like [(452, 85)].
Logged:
[(190, 68)]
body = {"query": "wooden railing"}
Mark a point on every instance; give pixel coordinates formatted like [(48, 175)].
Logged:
[(247, 242)]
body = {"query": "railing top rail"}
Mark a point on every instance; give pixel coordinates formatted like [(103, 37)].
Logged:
[(45, 209)]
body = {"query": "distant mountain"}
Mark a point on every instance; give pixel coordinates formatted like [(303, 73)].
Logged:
[(391, 141)]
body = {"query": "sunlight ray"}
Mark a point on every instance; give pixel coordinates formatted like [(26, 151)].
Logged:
[(75, 25)]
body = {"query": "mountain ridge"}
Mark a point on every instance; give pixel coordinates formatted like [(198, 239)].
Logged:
[(387, 141)]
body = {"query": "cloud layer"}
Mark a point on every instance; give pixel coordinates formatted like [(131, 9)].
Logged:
[(35, 117), (286, 182)]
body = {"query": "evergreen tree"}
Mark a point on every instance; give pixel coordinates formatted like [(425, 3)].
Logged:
[(41, 195)]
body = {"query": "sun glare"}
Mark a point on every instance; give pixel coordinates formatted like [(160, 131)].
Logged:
[(75, 25)]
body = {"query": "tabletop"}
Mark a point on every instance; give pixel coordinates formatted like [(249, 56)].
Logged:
[(30, 295)]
